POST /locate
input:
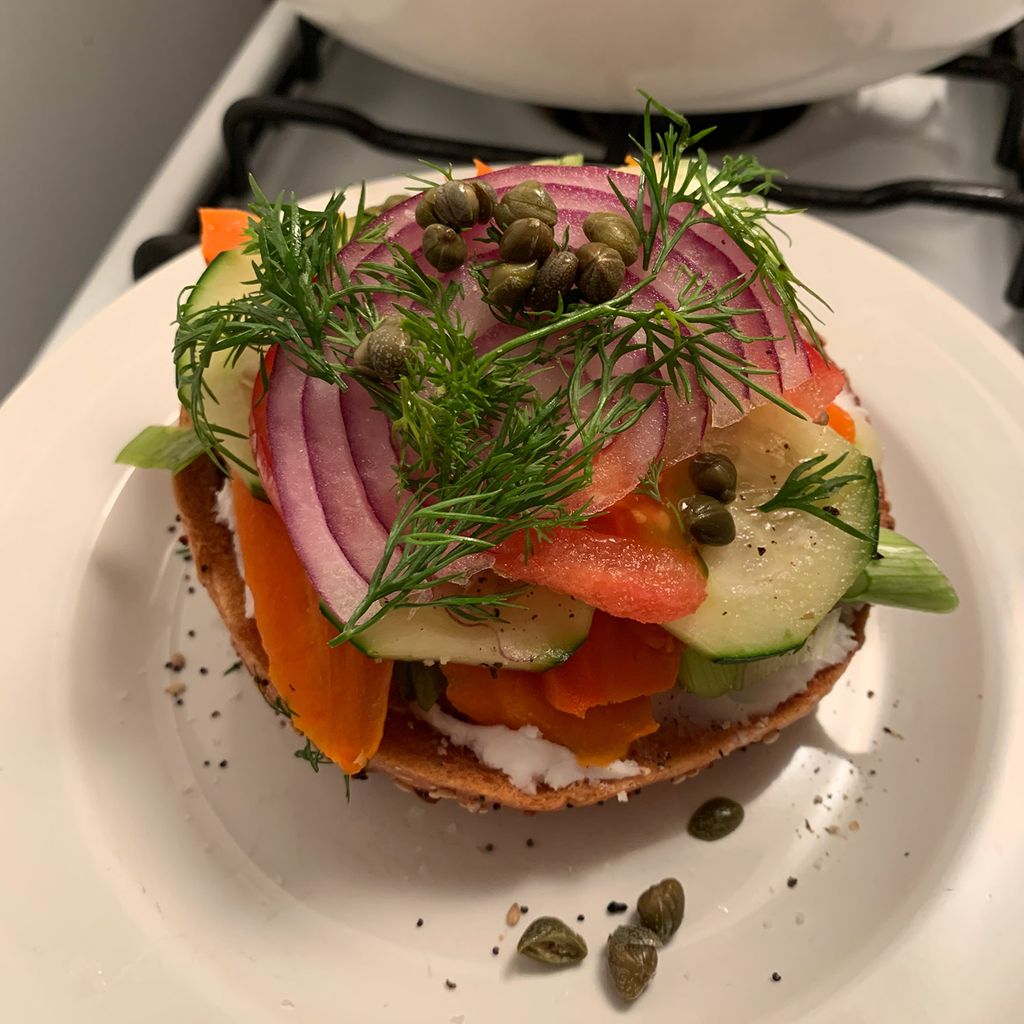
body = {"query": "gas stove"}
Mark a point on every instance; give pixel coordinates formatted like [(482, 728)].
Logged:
[(928, 167)]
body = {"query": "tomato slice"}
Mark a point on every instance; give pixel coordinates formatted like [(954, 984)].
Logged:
[(816, 393), (620, 575)]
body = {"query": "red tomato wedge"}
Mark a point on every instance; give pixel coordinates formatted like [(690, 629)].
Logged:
[(339, 696), (815, 394), (221, 230), (515, 699), (619, 660), (620, 575)]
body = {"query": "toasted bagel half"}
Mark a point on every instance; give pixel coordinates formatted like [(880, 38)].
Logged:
[(409, 750)]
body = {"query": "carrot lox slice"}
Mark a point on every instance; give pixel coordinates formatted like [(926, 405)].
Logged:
[(338, 696)]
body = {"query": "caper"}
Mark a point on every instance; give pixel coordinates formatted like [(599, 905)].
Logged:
[(714, 474), (601, 271), (708, 520), (555, 277), (456, 204), (527, 199), (552, 941), (386, 350), (661, 908), (510, 283), (425, 213), (632, 959), (615, 230), (525, 240), (715, 819), (444, 247), (487, 198), (388, 204)]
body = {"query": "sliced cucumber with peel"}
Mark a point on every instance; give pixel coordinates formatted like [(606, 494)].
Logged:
[(229, 378), (705, 678), (543, 632), (785, 570)]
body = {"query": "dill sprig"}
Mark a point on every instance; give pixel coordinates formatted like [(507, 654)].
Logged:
[(485, 454), (807, 486), (312, 755)]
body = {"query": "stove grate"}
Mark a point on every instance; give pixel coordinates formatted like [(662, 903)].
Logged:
[(246, 120)]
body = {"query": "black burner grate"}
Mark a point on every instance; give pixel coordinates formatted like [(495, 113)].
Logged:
[(247, 119)]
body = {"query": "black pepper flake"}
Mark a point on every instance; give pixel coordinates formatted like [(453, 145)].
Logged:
[(871, 694), (192, 632), (580, 917), (761, 550), (171, 529), (614, 907), (529, 842), (419, 922), (776, 976), (449, 984), (223, 763), (191, 590), (179, 701), (488, 848), (791, 882), (495, 951), (831, 510), (523, 909), (215, 714)]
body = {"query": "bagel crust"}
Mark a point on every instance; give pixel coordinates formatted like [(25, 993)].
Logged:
[(409, 751)]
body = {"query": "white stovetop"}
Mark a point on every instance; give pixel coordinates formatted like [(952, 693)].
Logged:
[(917, 126)]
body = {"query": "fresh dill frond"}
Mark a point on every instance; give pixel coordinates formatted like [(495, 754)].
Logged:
[(484, 454), (280, 705), (807, 487), (650, 482), (312, 756)]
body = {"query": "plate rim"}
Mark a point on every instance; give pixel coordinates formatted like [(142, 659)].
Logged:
[(60, 373)]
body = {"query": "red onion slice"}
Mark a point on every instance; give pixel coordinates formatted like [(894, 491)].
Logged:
[(340, 486), (373, 452), (300, 503), (332, 453)]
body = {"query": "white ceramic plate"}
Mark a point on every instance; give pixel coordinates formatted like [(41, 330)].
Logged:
[(138, 882)]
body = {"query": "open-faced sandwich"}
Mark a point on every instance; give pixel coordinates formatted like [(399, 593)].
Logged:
[(534, 487)]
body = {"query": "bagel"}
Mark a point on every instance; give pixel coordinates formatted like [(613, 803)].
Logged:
[(411, 751)]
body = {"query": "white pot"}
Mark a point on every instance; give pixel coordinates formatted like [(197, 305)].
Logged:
[(700, 57)]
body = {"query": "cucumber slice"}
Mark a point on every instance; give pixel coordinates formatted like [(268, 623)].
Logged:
[(785, 570), (705, 678), (540, 634), (229, 381)]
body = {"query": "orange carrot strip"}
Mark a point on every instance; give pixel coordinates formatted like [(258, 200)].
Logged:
[(339, 696), (481, 167), (515, 699), (221, 230), (842, 422), (619, 660)]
